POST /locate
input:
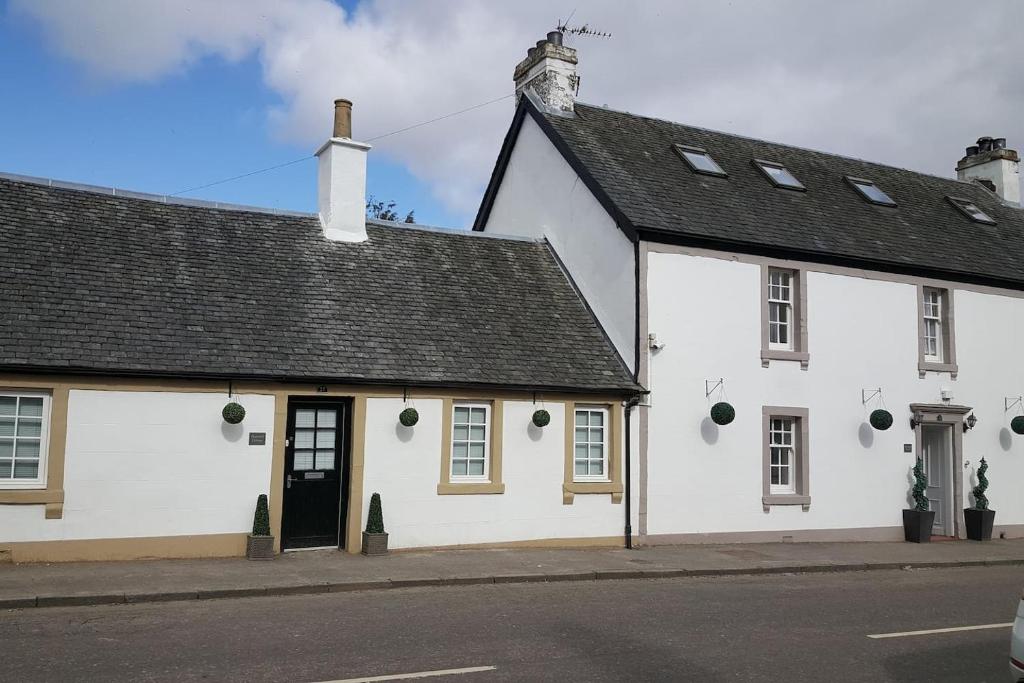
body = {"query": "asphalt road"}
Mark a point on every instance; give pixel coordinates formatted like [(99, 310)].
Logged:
[(773, 628)]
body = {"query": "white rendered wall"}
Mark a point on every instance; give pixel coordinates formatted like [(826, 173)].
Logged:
[(153, 464), (541, 196), (862, 334), (404, 466)]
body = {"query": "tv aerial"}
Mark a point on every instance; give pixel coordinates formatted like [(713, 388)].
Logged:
[(582, 31)]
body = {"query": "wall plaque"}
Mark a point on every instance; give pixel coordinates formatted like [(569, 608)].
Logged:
[(257, 438)]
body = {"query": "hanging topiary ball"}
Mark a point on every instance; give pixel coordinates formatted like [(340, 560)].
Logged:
[(541, 418), (409, 417), (880, 419), (233, 413), (722, 413), (1017, 424)]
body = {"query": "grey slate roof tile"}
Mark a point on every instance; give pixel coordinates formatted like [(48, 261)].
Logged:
[(631, 159), (119, 284)]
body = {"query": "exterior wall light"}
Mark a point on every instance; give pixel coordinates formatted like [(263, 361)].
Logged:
[(917, 419), (970, 422)]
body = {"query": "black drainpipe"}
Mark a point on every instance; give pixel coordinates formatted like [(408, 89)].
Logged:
[(630, 404)]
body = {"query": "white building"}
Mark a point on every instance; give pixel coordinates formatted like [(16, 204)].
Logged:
[(128, 322), (804, 288)]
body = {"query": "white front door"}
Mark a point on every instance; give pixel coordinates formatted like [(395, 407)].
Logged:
[(937, 453)]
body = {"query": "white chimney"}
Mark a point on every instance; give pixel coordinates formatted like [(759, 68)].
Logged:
[(991, 164), (550, 69), (341, 180)]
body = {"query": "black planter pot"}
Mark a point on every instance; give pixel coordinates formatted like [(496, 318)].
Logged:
[(917, 525), (979, 524)]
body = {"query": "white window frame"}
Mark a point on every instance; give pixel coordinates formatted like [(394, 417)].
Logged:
[(605, 445), (932, 312), (470, 478), (778, 433), (39, 482), (777, 303)]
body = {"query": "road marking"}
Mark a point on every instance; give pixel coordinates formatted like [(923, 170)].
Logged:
[(418, 674), (932, 631)]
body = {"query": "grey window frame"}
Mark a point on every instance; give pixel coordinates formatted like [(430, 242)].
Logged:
[(679, 149), (759, 164), (801, 447), (855, 183), (798, 282), (959, 202), (948, 363)]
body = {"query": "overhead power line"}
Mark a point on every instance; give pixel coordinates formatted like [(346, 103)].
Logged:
[(308, 156)]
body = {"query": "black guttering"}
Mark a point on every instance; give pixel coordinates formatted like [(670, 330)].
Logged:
[(617, 390), (526, 106)]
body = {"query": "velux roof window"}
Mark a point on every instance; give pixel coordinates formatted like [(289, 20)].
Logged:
[(871, 192), (971, 210), (778, 174), (699, 160)]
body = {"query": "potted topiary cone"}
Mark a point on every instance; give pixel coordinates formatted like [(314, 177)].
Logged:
[(260, 544), (375, 541), (917, 523), (979, 519)]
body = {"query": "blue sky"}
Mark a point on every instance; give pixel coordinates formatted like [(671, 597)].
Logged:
[(183, 130)]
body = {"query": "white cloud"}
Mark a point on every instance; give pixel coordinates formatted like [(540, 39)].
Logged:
[(907, 83)]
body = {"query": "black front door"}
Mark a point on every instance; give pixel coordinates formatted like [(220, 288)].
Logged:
[(315, 474)]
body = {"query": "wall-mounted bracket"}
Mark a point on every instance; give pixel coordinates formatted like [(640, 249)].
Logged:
[(711, 385), (868, 394), (1012, 401)]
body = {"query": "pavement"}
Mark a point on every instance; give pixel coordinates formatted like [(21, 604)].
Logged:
[(935, 625), (328, 571)]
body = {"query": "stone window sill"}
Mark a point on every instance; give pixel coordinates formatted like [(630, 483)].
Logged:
[(571, 489), (53, 499), (470, 488), (925, 367), (768, 355), (786, 499)]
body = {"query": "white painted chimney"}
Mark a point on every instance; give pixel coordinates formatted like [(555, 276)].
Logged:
[(550, 69), (341, 180), (990, 163)]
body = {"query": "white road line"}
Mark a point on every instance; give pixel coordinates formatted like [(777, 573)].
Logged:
[(932, 631), (418, 674)]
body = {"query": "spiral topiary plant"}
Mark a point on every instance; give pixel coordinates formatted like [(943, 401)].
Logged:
[(409, 417), (541, 418), (980, 499), (1017, 424), (920, 486), (722, 413), (375, 518), (233, 413), (261, 520), (880, 419)]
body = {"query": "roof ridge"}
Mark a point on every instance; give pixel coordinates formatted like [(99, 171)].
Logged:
[(467, 232), (777, 144), (150, 197)]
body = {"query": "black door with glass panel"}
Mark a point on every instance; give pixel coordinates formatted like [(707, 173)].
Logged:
[(315, 475)]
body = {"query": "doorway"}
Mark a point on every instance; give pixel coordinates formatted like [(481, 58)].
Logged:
[(937, 454), (316, 474)]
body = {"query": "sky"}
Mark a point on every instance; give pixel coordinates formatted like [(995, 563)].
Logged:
[(166, 96)]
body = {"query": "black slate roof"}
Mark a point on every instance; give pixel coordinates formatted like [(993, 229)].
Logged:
[(650, 190), (101, 283)]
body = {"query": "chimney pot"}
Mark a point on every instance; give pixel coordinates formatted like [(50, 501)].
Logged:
[(972, 150), (342, 119), (555, 37)]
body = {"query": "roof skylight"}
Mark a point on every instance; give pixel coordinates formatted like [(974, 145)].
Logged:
[(779, 175), (699, 160), (971, 210), (870, 191)]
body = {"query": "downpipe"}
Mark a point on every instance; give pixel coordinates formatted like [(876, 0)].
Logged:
[(630, 404)]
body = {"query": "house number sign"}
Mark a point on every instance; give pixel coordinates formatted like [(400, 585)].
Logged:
[(257, 438)]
